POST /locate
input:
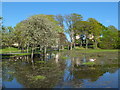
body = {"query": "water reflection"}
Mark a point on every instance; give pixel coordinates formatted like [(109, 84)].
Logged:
[(61, 70), (67, 73)]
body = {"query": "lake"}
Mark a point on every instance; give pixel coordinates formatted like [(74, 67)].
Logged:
[(67, 69)]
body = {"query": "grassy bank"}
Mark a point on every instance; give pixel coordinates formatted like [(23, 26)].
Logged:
[(18, 52), (83, 50), (98, 50), (12, 50), (9, 50)]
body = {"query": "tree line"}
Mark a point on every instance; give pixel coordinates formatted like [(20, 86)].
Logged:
[(48, 31)]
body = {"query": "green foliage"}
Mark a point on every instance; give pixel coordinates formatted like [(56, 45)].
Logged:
[(64, 57), (10, 72), (109, 39), (62, 39), (82, 27), (6, 35), (49, 30), (70, 20), (60, 20), (39, 77), (38, 30), (96, 30)]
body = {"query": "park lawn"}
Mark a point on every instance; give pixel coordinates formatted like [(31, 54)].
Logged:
[(22, 54), (18, 52), (9, 50), (83, 50), (99, 50)]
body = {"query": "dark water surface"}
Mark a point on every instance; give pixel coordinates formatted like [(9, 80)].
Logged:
[(62, 70)]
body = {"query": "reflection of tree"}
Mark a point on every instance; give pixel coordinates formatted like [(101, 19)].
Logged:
[(8, 70), (52, 69), (8, 77), (93, 72), (113, 70), (105, 62), (88, 74), (24, 73)]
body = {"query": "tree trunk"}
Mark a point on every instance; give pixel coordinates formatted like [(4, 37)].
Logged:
[(81, 43), (32, 53), (33, 66), (27, 59), (72, 39), (62, 47), (68, 47), (44, 52), (74, 45), (40, 49), (27, 49), (71, 46), (21, 49), (58, 48), (86, 44), (95, 47)]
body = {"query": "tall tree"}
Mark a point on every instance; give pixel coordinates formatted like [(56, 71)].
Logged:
[(70, 20), (96, 30), (60, 20), (109, 39), (83, 28), (40, 30)]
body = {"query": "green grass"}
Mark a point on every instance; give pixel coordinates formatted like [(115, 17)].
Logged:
[(82, 50), (79, 48), (10, 72), (94, 50), (89, 63), (8, 50), (101, 50), (12, 50), (38, 77), (21, 54), (64, 57)]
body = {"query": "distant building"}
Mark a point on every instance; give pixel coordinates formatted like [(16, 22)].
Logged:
[(90, 36), (15, 44), (77, 37)]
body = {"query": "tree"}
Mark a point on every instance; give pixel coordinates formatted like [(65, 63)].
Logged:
[(39, 30), (109, 39), (7, 36), (96, 30), (83, 28), (21, 34), (62, 40), (70, 20), (60, 20), (0, 32)]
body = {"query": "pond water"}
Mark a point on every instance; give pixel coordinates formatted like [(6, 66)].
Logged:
[(62, 70)]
